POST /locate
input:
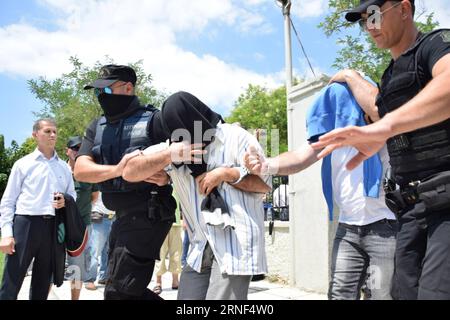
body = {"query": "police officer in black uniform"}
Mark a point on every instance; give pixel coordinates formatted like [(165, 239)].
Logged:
[(413, 102), (145, 211)]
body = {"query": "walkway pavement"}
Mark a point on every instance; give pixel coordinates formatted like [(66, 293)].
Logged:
[(259, 290)]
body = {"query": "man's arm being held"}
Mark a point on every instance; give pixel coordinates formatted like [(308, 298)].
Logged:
[(86, 170), (251, 183), (146, 165), (288, 163)]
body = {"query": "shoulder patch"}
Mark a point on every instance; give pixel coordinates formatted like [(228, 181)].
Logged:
[(445, 35)]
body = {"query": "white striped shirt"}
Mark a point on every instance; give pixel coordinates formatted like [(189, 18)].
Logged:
[(240, 251), (31, 185)]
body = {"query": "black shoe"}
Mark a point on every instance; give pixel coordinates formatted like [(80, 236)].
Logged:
[(258, 277)]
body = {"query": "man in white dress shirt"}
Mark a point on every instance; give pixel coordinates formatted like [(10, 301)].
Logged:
[(27, 214)]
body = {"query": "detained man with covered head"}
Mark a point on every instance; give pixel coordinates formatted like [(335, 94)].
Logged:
[(224, 210), (413, 102), (364, 243)]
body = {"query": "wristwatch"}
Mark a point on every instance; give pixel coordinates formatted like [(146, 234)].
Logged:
[(243, 172)]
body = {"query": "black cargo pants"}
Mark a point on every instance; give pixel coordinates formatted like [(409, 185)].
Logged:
[(135, 242), (422, 259)]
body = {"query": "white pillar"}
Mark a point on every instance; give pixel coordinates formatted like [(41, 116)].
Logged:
[(311, 230)]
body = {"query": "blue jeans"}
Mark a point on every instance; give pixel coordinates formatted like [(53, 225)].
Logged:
[(78, 267), (186, 244), (99, 248), (363, 257)]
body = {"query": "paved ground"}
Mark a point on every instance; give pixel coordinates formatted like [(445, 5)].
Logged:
[(259, 290)]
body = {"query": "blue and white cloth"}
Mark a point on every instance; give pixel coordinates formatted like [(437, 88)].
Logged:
[(336, 107)]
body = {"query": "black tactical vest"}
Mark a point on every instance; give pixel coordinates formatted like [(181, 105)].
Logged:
[(426, 150), (114, 140)]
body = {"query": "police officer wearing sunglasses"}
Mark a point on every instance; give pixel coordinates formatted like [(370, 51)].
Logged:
[(145, 211), (413, 102)]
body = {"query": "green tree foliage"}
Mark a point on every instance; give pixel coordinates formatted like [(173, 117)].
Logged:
[(260, 108), (74, 108), (15, 152), (358, 50), (8, 156)]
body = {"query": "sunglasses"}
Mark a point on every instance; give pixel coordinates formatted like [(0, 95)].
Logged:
[(107, 90), (76, 148), (375, 19)]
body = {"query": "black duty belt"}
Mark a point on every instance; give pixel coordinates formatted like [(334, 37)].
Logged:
[(433, 191), (45, 217), (400, 199)]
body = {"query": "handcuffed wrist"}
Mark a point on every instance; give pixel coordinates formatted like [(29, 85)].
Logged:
[(271, 168), (243, 172)]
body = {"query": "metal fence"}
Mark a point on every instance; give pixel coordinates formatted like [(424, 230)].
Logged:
[(276, 203)]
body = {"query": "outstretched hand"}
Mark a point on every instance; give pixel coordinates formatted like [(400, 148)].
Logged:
[(368, 140)]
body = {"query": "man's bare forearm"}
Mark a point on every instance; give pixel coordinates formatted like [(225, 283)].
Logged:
[(86, 170), (365, 94), (144, 166), (292, 162), (250, 183), (253, 183)]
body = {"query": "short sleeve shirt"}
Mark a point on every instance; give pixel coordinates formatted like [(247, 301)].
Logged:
[(112, 201), (431, 50)]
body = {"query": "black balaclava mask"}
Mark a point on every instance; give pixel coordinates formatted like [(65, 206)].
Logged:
[(184, 111), (117, 106)]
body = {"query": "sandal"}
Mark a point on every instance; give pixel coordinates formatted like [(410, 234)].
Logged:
[(157, 289)]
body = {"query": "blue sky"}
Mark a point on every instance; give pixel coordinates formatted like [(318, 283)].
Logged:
[(212, 48)]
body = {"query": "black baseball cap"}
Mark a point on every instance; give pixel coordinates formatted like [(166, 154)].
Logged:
[(112, 73), (354, 15), (74, 141)]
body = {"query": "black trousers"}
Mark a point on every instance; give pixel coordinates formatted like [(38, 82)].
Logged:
[(422, 259), (134, 245), (34, 237)]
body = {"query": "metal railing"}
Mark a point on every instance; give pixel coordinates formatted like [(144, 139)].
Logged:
[(276, 203)]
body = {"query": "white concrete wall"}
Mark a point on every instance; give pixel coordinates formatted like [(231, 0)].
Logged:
[(311, 231), (278, 249)]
